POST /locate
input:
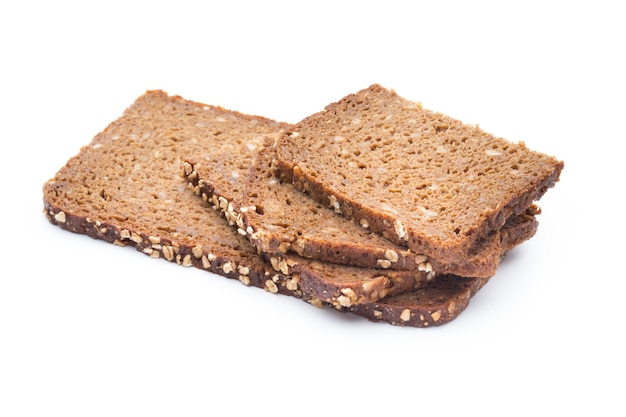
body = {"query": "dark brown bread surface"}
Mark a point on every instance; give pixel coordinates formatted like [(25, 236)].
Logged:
[(434, 303), (421, 179), (437, 303), (126, 188), (281, 219), (339, 285), (106, 193), (441, 300), (284, 220)]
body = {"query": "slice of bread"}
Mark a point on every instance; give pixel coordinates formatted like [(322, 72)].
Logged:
[(419, 178), (340, 285), (442, 300), (126, 188), (347, 287), (437, 303), (434, 302), (281, 219), (334, 283)]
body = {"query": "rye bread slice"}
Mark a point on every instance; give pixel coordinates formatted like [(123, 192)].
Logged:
[(336, 284), (282, 220), (419, 178), (106, 192), (440, 300), (126, 188), (435, 302), (279, 219)]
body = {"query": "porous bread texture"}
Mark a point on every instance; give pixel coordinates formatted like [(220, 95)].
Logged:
[(280, 219), (284, 220), (332, 282), (419, 178), (441, 300), (339, 285), (103, 193), (433, 303), (126, 188), (336, 284)]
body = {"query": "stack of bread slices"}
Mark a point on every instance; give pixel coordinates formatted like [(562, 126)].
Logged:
[(373, 206)]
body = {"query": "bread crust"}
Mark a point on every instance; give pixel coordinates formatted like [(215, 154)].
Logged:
[(420, 179), (439, 302), (336, 284), (282, 219), (126, 188), (236, 264)]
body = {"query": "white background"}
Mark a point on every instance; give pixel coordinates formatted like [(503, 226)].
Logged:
[(91, 329)]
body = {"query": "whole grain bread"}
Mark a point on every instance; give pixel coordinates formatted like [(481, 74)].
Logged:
[(126, 188), (281, 219), (441, 300), (435, 302), (332, 282), (419, 178), (337, 284)]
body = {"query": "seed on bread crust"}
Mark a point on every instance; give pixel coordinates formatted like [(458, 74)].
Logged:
[(425, 267), (228, 267), (271, 286), (244, 279), (335, 204), (405, 315), (205, 262), (60, 217), (135, 237), (202, 239), (187, 168), (168, 252), (383, 263), (391, 255), (399, 228), (344, 301), (197, 251), (349, 292), (292, 284), (420, 259)]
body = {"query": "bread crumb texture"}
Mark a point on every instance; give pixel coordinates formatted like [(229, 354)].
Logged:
[(127, 185), (421, 178), (130, 187)]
